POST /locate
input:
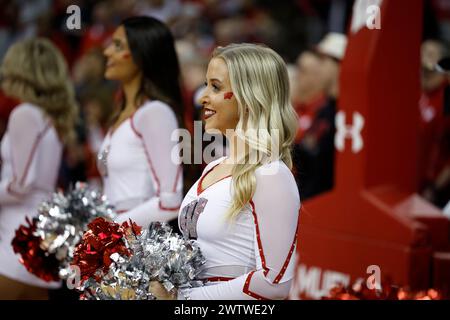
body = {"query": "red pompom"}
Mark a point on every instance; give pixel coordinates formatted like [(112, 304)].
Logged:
[(102, 239), (37, 261)]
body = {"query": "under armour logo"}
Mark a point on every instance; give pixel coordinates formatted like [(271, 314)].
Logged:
[(344, 131)]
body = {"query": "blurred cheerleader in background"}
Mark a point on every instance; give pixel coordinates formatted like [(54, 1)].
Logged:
[(34, 72), (139, 175)]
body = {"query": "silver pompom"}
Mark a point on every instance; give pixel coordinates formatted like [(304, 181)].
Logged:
[(63, 219), (157, 254)]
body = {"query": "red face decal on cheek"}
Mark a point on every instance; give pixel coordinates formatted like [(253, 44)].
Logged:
[(126, 55), (227, 95)]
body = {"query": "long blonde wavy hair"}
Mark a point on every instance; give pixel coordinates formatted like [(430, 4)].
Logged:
[(259, 81), (35, 71)]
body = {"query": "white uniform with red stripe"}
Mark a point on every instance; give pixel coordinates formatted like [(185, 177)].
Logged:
[(31, 155), (141, 179), (252, 257)]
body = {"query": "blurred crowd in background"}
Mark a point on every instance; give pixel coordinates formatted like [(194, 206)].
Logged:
[(308, 34)]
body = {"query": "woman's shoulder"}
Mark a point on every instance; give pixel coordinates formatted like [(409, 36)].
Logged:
[(26, 111), (26, 107), (155, 107), (154, 113), (275, 168), (276, 177)]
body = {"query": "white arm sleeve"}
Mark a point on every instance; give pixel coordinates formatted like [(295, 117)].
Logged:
[(25, 129), (154, 124), (275, 209)]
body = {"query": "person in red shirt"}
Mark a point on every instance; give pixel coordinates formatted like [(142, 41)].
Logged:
[(434, 155), (309, 91), (319, 87)]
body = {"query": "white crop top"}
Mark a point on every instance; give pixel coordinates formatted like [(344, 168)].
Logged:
[(252, 257), (140, 178)]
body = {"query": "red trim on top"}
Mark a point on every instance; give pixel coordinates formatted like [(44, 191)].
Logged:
[(11, 191), (139, 135), (258, 238), (286, 262), (168, 208), (218, 279), (199, 185), (152, 169), (288, 258), (149, 160), (28, 164), (33, 150), (180, 169), (147, 155), (247, 291)]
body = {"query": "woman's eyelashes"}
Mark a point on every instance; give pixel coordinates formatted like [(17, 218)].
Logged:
[(216, 88), (118, 46)]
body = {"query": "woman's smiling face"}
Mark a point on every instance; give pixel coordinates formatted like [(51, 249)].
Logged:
[(220, 108)]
